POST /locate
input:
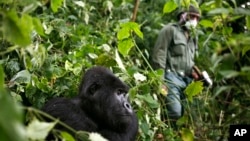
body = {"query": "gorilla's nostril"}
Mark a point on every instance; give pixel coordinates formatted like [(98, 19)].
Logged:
[(127, 105)]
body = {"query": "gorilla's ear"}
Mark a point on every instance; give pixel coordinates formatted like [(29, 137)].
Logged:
[(93, 88)]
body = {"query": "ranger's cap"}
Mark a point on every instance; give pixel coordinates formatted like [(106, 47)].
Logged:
[(192, 10)]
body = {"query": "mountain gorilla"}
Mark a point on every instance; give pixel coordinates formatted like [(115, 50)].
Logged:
[(102, 106)]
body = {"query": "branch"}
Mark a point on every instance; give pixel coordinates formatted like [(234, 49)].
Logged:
[(137, 2)]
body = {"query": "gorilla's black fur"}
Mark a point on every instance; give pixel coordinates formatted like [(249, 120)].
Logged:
[(102, 106)]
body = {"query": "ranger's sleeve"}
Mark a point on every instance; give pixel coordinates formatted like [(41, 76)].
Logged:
[(160, 49)]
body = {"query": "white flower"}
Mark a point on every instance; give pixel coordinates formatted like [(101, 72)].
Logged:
[(139, 77), (96, 137)]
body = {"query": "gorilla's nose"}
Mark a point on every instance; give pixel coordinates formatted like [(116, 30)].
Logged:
[(127, 106)]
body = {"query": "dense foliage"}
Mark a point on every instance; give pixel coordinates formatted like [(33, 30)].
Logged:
[(46, 45)]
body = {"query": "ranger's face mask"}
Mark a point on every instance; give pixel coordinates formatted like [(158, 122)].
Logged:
[(191, 24)]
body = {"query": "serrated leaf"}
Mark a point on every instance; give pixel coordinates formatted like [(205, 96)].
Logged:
[(37, 130), (169, 6), (124, 46), (123, 33), (136, 28), (55, 4), (127, 28), (193, 89)]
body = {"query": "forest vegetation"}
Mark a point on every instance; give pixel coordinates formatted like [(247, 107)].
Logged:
[(46, 45)]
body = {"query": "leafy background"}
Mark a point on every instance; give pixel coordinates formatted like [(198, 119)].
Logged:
[(46, 45)]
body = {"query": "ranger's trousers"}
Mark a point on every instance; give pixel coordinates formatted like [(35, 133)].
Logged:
[(175, 99)]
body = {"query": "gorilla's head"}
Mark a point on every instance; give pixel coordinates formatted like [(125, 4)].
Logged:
[(105, 98)]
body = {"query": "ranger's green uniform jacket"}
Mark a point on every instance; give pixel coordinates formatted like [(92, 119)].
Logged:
[(173, 51)]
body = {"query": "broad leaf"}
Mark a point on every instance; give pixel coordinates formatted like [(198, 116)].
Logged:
[(17, 30), (229, 73), (55, 4), (37, 130), (80, 3), (206, 23), (66, 136), (124, 46), (38, 26), (187, 134), (193, 89), (23, 76), (169, 6), (123, 33), (11, 117)]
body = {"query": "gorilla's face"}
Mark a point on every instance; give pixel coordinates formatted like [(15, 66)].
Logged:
[(105, 98)]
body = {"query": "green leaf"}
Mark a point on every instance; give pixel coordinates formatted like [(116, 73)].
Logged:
[(66, 136), (248, 22), (119, 61), (37, 130), (182, 120), (127, 29), (187, 134), (68, 65), (218, 3), (169, 6), (193, 89), (55, 4), (144, 127), (17, 30), (80, 3), (23, 76), (245, 49), (1, 77), (38, 26), (206, 23), (221, 89), (11, 118), (124, 46), (136, 28), (123, 33), (229, 73), (5, 1), (30, 7), (219, 11), (149, 99)]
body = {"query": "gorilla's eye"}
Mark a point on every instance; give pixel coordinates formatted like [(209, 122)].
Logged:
[(93, 88), (121, 92)]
